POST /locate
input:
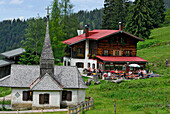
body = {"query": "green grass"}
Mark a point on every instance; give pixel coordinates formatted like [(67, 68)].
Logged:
[(156, 55), (132, 97), (4, 91), (158, 35)]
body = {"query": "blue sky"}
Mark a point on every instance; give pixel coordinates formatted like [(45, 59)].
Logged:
[(10, 9)]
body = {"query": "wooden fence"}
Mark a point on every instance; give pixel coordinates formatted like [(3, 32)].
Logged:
[(168, 105), (83, 106)]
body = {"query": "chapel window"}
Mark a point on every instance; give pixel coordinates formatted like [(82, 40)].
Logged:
[(27, 95), (66, 95), (44, 99)]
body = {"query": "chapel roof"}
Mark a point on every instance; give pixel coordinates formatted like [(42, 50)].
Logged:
[(26, 75), (47, 52)]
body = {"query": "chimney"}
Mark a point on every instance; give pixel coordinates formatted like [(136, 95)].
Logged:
[(120, 26), (86, 30)]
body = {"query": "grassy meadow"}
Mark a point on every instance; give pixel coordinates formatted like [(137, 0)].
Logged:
[(156, 50)]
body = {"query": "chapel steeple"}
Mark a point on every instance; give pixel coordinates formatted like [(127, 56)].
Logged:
[(47, 58)]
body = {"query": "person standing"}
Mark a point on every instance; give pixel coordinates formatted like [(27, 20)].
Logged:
[(166, 62)]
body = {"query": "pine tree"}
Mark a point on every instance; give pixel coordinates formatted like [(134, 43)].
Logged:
[(114, 11), (56, 31), (139, 20), (33, 43), (157, 8), (107, 14)]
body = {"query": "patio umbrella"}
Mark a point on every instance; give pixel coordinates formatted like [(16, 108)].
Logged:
[(134, 65)]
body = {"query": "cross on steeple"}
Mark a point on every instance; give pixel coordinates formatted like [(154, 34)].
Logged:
[(47, 10)]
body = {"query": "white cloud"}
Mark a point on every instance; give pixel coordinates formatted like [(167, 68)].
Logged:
[(2, 2), (21, 18), (16, 1), (11, 18)]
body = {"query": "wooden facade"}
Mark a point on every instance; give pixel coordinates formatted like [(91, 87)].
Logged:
[(114, 45)]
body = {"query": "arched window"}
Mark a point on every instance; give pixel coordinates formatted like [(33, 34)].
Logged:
[(93, 66), (68, 63), (88, 65), (64, 63)]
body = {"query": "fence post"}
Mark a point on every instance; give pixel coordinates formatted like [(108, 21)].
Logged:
[(82, 106), (41, 111), (17, 112), (90, 104), (115, 107), (167, 105), (68, 110)]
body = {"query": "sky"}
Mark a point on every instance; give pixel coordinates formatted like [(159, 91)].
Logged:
[(24, 9)]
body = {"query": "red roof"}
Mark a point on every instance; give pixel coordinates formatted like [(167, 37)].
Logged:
[(121, 59), (96, 35)]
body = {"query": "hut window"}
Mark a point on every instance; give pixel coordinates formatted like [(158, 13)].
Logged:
[(80, 51), (27, 95), (127, 53), (106, 52), (66, 95), (93, 66), (68, 63), (64, 63), (113, 40), (80, 65), (44, 99), (123, 40), (116, 53), (88, 65)]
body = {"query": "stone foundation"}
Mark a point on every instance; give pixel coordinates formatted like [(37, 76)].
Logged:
[(21, 106)]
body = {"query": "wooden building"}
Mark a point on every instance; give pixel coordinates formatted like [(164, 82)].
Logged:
[(104, 49), (9, 58)]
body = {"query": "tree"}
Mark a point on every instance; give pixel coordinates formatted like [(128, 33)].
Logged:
[(69, 20), (157, 8), (115, 11), (167, 16), (139, 20), (56, 31), (33, 43)]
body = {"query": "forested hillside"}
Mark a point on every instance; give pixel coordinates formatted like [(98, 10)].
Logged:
[(11, 34), (92, 18)]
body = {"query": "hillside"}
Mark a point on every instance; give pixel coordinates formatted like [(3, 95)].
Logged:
[(156, 50)]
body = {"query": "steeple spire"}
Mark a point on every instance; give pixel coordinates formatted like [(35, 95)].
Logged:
[(47, 58)]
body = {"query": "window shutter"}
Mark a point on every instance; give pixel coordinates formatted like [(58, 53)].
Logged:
[(69, 96), (41, 99), (25, 95)]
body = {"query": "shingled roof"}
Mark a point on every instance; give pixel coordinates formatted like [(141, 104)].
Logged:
[(47, 52), (5, 62), (26, 75), (46, 83), (13, 53), (97, 35)]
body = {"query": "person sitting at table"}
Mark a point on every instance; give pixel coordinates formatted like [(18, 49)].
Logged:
[(130, 72), (144, 71), (109, 74), (116, 71)]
